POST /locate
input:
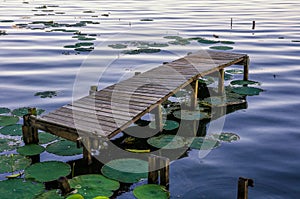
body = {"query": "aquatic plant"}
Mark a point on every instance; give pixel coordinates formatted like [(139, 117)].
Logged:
[(147, 19), (202, 143), (46, 94), (64, 148), (8, 120), (168, 125), (4, 110), (167, 141), (221, 47), (243, 82), (51, 194), (150, 191), (30, 150), (7, 144), (247, 90), (13, 162), (207, 41), (13, 130), (235, 71), (226, 137), (117, 46), (227, 42), (143, 50), (46, 137), (190, 115)]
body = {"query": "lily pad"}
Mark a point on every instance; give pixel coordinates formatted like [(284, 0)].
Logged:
[(6, 21), (226, 137), (247, 90), (4, 110), (228, 76), (8, 120), (221, 47), (7, 144), (75, 196), (64, 148), (86, 38), (167, 141), (47, 171), (46, 137), (227, 42), (168, 125), (235, 71), (207, 41), (30, 150), (18, 188), (53, 194), (13, 162), (101, 197), (222, 100), (20, 111), (127, 170), (84, 44), (173, 37), (85, 49), (13, 130), (190, 115), (46, 94), (203, 143), (206, 80), (181, 42), (93, 185), (243, 82), (146, 19), (157, 45), (150, 191), (70, 46), (143, 50)]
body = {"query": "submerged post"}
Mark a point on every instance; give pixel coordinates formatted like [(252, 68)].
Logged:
[(158, 170), (164, 172), (87, 156), (243, 184), (153, 169), (221, 82), (194, 96), (246, 67), (30, 133), (158, 118)]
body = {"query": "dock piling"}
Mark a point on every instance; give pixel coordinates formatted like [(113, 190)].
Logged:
[(158, 170), (221, 82), (30, 133), (194, 96), (243, 184), (246, 68)]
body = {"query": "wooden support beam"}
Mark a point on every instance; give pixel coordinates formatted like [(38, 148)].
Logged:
[(221, 82), (29, 131), (194, 95), (153, 169), (246, 67), (87, 156), (243, 184), (158, 118)]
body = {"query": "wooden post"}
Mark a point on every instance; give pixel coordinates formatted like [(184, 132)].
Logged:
[(231, 23), (137, 73), (153, 169), (253, 25), (164, 172), (194, 95), (158, 118), (243, 184), (87, 156), (93, 90), (64, 186), (30, 133), (221, 82), (246, 68)]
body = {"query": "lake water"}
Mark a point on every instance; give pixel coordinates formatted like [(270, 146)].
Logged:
[(34, 59)]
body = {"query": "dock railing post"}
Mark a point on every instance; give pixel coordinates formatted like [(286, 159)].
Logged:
[(246, 68), (243, 184), (30, 133)]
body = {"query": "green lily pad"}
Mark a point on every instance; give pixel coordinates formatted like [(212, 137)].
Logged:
[(118, 46), (30, 150), (206, 80), (247, 90), (167, 141), (207, 41), (227, 42), (243, 82), (6, 21), (46, 137), (8, 120), (181, 42), (18, 188), (86, 38), (168, 125), (146, 19), (157, 45), (52, 194), (190, 115), (7, 144), (101, 197), (235, 71), (70, 46), (85, 49), (222, 100), (127, 170), (228, 76), (173, 37), (75, 196), (88, 11), (4, 110), (226, 137), (47, 171), (221, 47), (150, 191), (64, 148), (93, 185), (12, 163), (46, 94), (295, 40), (58, 30), (20, 111), (80, 44), (143, 50), (13, 130), (203, 143)]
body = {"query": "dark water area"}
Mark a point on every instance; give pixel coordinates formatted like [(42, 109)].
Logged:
[(34, 60)]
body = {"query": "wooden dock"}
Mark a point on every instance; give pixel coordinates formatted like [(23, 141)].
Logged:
[(107, 112)]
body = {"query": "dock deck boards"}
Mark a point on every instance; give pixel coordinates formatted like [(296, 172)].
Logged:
[(112, 109)]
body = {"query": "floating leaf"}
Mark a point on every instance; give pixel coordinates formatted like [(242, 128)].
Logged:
[(70, 46), (167, 141), (190, 115), (228, 76), (182, 42), (168, 125), (226, 137), (84, 44), (88, 11), (207, 41), (85, 49), (52, 194), (93, 185), (203, 143), (221, 47), (146, 19), (86, 38), (247, 90), (157, 45), (58, 30), (227, 42), (13, 130), (101, 197), (173, 37), (18, 188), (222, 100), (75, 196), (295, 40), (64, 148), (143, 50), (46, 137), (47, 171), (138, 150), (46, 94), (30, 150), (7, 144), (206, 80), (150, 191), (140, 131), (127, 170), (12, 163), (24, 110), (4, 110), (6, 21), (8, 120), (243, 82), (235, 71)]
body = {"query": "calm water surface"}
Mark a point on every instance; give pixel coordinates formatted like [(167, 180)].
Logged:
[(34, 60)]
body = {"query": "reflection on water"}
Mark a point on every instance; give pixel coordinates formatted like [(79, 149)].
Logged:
[(33, 59)]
